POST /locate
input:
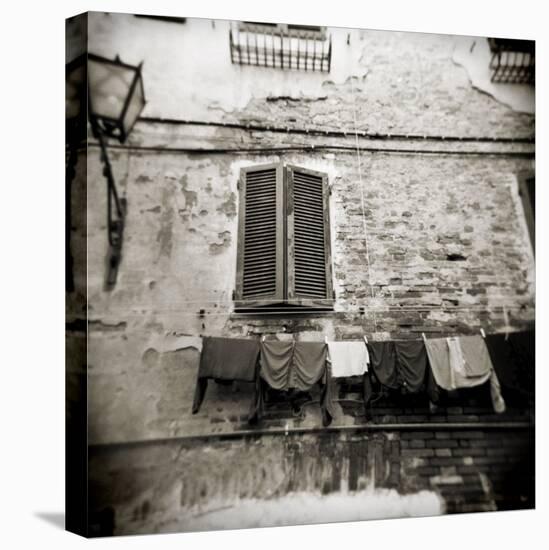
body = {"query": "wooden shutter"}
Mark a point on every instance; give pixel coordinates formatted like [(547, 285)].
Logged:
[(308, 238), (260, 256)]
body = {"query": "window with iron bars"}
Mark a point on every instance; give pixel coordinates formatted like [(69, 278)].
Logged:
[(513, 61), (300, 47)]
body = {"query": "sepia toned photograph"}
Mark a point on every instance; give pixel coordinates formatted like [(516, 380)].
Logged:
[(300, 274)]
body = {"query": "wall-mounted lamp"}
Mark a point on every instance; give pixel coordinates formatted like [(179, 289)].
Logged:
[(115, 99)]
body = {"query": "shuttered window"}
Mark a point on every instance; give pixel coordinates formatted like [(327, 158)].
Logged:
[(284, 239)]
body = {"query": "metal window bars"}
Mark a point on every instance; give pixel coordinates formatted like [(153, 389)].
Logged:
[(513, 61), (281, 47)]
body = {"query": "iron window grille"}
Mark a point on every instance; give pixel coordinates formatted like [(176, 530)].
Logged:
[(300, 47), (283, 255), (512, 61)]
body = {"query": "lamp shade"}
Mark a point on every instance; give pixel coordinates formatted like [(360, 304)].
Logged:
[(116, 95)]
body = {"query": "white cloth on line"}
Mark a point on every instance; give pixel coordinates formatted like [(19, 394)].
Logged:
[(348, 358)]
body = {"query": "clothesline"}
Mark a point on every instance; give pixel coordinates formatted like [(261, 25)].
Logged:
[(271, 313), (412, 366), (334, 300), (325, 340)]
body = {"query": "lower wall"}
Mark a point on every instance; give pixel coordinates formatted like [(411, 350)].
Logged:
[(176, 485)]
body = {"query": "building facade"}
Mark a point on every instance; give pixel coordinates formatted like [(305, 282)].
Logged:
[(419, 162)]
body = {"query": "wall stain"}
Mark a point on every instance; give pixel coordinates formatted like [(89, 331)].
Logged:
[(98, 325), (143, 179), (154, 326), (217, 248), (287, 98), (154, 210), (228, 207), (175, 358), (165, 234), (150, 357), (191, 197)]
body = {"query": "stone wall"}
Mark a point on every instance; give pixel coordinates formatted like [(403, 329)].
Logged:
[(176, 485)]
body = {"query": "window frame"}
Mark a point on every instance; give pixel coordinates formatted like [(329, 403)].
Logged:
[(311, 32), (285, 297)]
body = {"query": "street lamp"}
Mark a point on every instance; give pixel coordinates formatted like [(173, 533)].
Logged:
[(116, 96), (115, 99)]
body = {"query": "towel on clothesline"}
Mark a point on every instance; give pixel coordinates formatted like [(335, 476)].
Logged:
[(225, 359), (463, 362), (400, 363), (294, 365), (513, 357), (348, 358)]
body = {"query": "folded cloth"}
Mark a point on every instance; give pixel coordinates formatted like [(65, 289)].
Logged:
[(513, 357), (463, 362), (225, 359), (348, 358), (294, 365), (402, 363)]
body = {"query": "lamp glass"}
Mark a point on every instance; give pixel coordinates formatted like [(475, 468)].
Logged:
[(109, 85), (135, 106)]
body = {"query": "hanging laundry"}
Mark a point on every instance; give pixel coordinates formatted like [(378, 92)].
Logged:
[(348, 358), (400, 364), (225, 359), (457, 361), (513, 357), (294, 365), (463, 362)]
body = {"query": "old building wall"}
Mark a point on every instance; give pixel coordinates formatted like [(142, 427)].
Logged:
[(427, 233), (399, 82), (436, 257), (182, 485)]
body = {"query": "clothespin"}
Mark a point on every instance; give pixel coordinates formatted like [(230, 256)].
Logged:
[(263, 338), (482, 333), (325, 339), (365, 340), (424, 337)]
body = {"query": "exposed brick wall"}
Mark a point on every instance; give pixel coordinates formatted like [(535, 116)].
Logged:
[(473, 470), (164, 486)]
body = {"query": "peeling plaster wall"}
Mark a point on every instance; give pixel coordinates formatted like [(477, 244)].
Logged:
[(398, 82), (474, 55), (445, 247)]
